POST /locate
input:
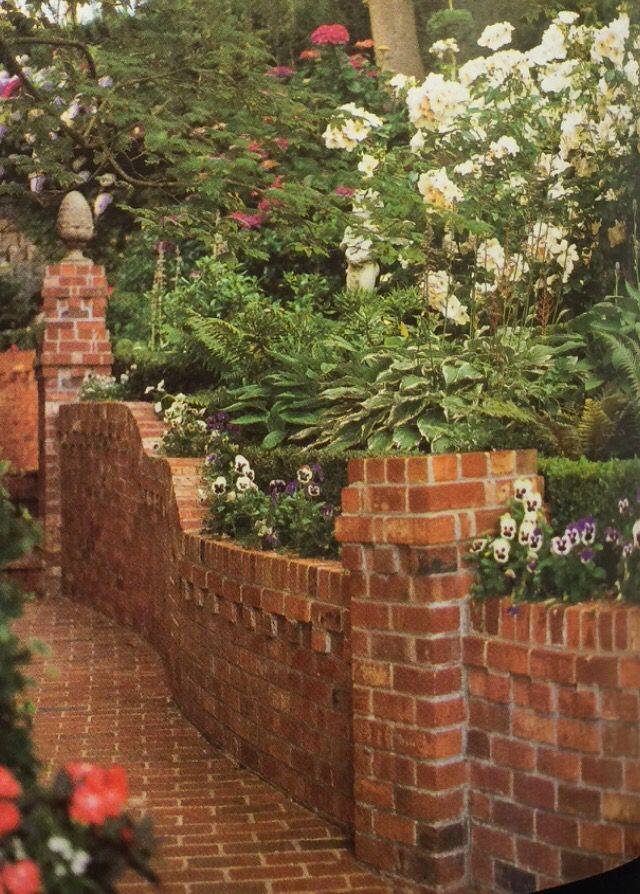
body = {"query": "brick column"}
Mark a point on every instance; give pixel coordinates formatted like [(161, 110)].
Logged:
[(75, 343), (405, 528)]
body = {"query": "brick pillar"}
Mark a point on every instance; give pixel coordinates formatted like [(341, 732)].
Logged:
[(75, 343), (404, 529)]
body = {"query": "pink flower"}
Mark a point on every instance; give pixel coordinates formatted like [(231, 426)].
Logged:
[(10, 88), (248, 221), (281, 71), (309, 55), (344, 191), (333, 35), (21, 878), (257, 149), (282, 143), (357, 61)]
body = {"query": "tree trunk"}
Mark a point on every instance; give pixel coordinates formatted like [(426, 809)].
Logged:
[(393, 25)]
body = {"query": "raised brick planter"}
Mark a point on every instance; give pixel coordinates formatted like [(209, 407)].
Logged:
[(471, 750)]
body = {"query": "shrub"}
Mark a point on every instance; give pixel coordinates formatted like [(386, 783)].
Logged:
[(576, 488)]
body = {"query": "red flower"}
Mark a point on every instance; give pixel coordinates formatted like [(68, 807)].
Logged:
[(333, 35), (309, 55), (364, 44), (9, 818), (344, 191), (281, 143), (357, 61), (9, 785), (77, 770), (21, 878), (100, 795)]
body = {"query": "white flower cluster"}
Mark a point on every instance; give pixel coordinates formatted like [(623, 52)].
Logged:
[(438, 287), (73, 861), (528, 534), (351, 127)]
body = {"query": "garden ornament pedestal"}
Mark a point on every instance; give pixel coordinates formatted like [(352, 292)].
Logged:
[(75, 343)]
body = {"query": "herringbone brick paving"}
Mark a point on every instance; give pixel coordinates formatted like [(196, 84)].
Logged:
[(101, 695)]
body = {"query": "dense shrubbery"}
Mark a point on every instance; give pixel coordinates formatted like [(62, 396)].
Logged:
[(73, 835)]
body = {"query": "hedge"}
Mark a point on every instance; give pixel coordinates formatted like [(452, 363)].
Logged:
[(577, 488)]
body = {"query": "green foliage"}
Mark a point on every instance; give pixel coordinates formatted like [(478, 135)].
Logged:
[(17, 311), (18, 535), (577, 488), (609, 336)]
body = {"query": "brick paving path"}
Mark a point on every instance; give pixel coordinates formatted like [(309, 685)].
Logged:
[(101, 695)]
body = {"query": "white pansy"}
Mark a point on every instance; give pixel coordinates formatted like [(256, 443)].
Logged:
[(491, 255), (437, 102), (501, 550), (368, 164), (244, 484), (438, 189), (508, 526), (496, 36)]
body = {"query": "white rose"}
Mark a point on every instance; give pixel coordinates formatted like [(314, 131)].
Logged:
[(496, 36)]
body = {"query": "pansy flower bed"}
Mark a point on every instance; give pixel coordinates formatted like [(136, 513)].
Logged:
[(289, 515), (528, 561)]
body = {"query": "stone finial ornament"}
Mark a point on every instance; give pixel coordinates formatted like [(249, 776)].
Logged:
[(75, 224)]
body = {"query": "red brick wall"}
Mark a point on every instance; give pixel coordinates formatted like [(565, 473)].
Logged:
[(553, 742), (256, 645), (18, 410), (493, 750), (404, 527)]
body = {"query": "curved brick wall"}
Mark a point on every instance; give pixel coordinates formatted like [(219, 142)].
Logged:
[(553, 742), (494, 750), (255, 644)]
